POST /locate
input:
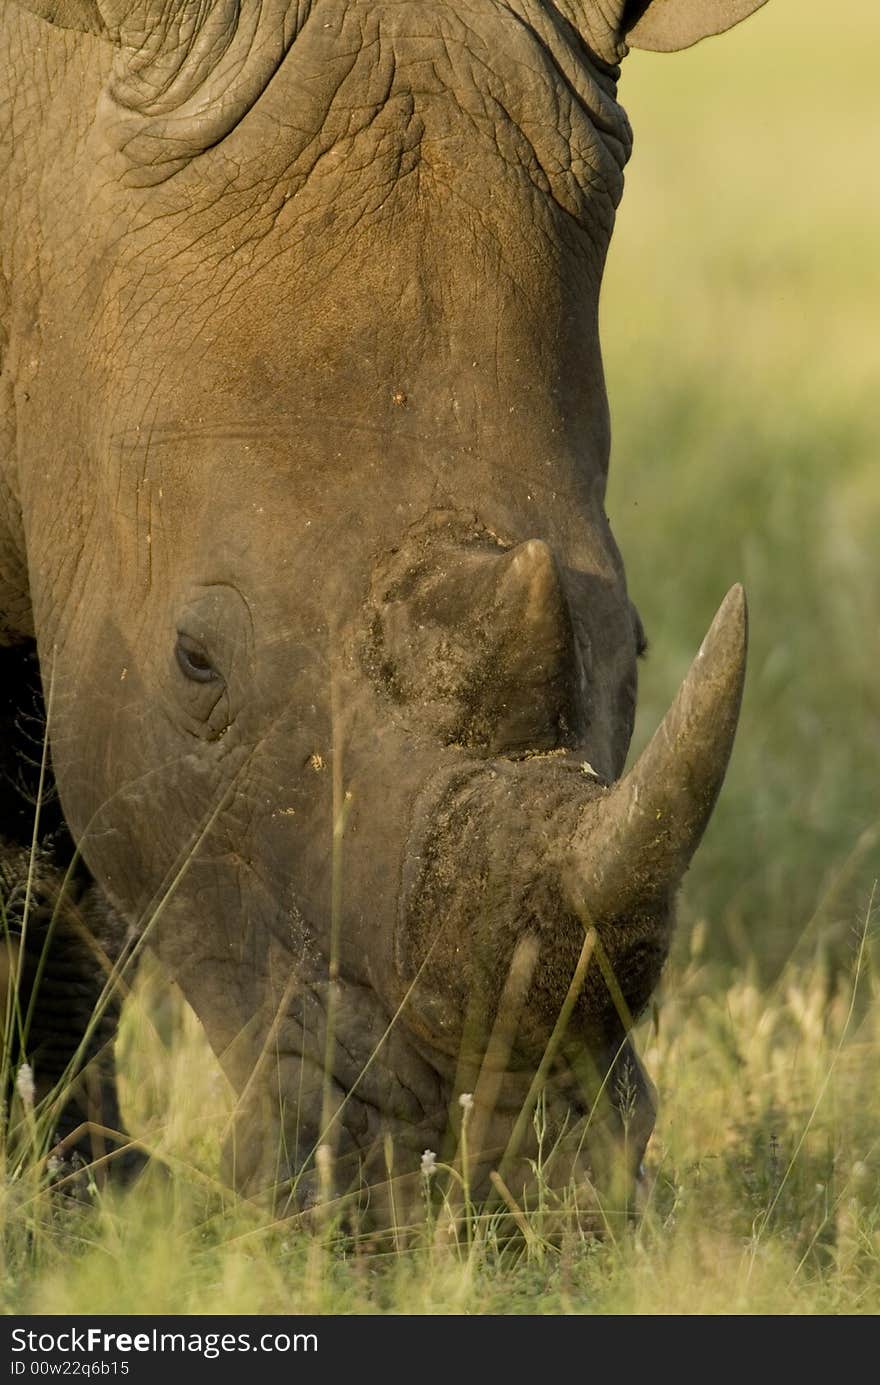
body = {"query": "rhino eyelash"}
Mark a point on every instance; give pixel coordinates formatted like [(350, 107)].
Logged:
[(193, 663)]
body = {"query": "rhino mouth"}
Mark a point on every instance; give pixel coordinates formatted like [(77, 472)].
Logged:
[(585, 1133)]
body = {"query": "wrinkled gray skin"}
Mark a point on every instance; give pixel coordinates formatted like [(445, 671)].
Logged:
[(303, 450)]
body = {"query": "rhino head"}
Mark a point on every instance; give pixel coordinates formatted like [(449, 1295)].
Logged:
[(313, 443)]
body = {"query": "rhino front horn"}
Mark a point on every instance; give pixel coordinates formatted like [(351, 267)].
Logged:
[(635, 841)]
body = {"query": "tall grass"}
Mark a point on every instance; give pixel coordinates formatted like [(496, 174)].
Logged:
[(762, 1194), (738, 324)]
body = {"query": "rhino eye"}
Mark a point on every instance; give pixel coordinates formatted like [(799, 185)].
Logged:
[(194, 662)]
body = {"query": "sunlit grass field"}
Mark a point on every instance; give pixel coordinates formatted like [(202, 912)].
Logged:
[(740, 333)]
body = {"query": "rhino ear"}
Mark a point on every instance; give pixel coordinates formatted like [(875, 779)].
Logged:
[(69, 14), (667, 25)]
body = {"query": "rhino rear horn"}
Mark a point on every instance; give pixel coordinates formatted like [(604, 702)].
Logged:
[(480, 640), (532, 606), (636, 840), (529, 587)]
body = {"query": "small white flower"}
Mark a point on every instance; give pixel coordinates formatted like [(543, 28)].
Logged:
[(429, 1163), (24, 1085), (54, 1166), (466, 1101)]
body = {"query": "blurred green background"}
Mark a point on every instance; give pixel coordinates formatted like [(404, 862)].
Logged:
[(740, 328)]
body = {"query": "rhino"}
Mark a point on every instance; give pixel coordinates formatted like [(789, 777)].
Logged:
[(304, 442)]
